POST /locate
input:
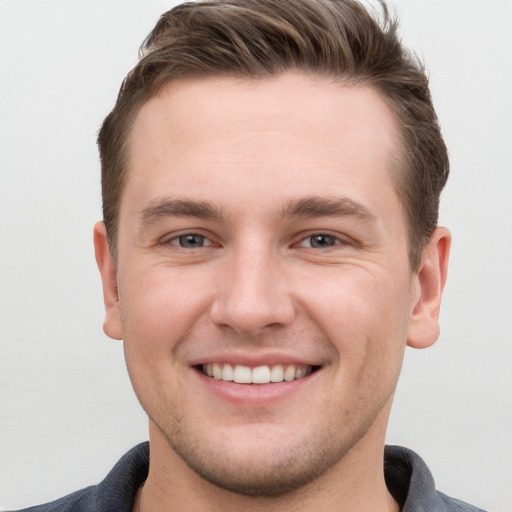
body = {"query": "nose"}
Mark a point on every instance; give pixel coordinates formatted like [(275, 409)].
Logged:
[(253, 296)]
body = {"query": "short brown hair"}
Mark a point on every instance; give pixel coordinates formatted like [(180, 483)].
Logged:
[(261, 38)]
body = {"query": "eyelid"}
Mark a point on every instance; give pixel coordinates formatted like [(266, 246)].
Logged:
[(341, 239), (169, 238)]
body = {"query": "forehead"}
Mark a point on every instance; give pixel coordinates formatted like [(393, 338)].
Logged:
[(306, 103), (247, 135)]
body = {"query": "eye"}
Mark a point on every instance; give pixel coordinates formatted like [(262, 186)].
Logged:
[(190, 241), (320, 241)]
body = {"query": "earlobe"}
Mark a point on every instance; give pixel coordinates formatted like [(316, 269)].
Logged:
[(112, 324), (429, 282)]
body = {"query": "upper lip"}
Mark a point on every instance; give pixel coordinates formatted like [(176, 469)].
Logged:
[(255, 359)]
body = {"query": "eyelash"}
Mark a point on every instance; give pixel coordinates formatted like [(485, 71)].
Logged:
[(329, 241), (177, 240)]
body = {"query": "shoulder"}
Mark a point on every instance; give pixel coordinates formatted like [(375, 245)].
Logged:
[(452, 504), (79, 501), (115, 493), (411, 483)]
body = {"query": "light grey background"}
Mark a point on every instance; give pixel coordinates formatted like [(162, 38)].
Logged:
[(67, 411)]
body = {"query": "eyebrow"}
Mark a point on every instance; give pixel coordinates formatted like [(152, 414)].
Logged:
[(179, 208), (327, 207), (306, 207)]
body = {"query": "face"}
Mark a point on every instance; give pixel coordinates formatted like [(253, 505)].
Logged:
[(263, 288)]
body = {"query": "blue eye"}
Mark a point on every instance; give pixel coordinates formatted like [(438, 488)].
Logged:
[(321, 241), (191, 241)]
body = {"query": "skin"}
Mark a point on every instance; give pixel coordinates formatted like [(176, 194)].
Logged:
[(257, 287)]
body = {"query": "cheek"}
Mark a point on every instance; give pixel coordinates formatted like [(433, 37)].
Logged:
[(151, 337), (366, 325), (160, 308), (363, 314), (160, 305)]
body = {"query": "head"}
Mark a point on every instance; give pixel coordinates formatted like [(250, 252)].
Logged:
[(336, 39), (271, 241)]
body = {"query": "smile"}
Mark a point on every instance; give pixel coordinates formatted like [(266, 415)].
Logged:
[(264, 374)]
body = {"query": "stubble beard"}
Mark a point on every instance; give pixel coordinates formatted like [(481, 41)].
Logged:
[(293, 465)]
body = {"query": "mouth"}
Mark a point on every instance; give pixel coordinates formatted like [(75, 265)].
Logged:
[(264, 374)]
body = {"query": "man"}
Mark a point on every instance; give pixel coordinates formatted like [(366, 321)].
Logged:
[(271, 176)]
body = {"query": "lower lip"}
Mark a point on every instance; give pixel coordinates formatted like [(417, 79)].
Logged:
[(253, 394)]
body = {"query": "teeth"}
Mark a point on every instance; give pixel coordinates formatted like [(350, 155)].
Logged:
[(259, 375), (242, 374), (300, 372), (217, 371), (276, 373), (289, 374), (227, 372)]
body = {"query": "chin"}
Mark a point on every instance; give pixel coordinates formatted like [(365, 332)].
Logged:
[(270, 466)]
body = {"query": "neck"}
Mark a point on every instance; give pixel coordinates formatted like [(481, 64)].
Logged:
[(355, 483)]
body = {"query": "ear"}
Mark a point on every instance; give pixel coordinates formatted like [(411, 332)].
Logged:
[(429, 283), (112, 323)]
